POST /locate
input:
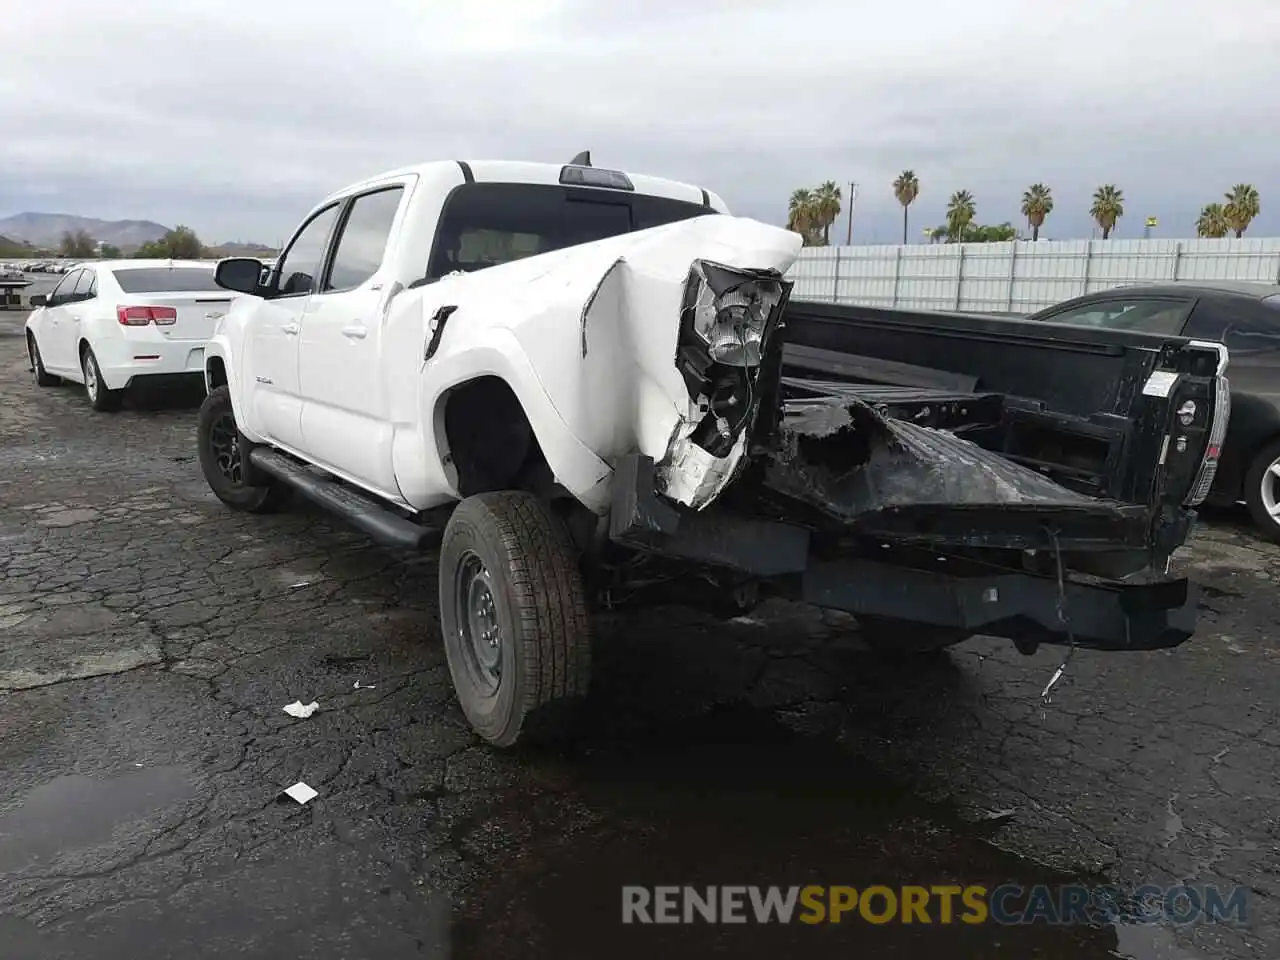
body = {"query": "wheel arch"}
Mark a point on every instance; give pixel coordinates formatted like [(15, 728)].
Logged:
[(483, 431), (215, 374), (488, 387), (220, 371)]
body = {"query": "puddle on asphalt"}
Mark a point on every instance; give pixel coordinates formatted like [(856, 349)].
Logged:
[(737, 799), (74, 812)]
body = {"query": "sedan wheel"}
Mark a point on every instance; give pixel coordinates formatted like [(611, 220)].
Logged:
[(90, 379), (1262, 491), (1270, 491), (101, 397)]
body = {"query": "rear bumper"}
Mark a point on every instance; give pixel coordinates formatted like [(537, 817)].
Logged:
[(125, 361), (1095, 613)]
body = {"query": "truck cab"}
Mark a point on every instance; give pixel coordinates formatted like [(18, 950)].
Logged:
[(313, 341)]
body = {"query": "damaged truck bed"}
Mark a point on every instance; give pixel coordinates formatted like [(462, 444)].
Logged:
[(942, 475)]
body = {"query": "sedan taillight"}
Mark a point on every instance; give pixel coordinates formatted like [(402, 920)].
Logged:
[(141, 316)]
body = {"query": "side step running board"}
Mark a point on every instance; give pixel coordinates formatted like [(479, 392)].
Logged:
[(361, 511)]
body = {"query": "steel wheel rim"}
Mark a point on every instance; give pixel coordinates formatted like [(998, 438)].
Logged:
[(90, 378), (479, 632), (224, 445), (35, 360), (1270, 490)]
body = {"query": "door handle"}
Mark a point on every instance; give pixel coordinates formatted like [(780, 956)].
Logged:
[(291, 329), (356, 331), (75, 319)]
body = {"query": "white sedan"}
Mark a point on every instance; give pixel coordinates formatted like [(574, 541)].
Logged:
[(112, 323)]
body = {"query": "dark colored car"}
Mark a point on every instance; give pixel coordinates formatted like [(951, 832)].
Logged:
[(1246, 317)]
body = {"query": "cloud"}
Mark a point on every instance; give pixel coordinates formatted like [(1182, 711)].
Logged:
[(235, 118)]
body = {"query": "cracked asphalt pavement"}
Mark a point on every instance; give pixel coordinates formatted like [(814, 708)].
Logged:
[(149, 638)]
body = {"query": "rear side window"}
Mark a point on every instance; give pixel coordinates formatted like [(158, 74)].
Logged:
[(165, 280), (486, 224), (363, 240), (1142, 316)]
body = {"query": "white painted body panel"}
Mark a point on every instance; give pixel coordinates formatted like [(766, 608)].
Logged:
[(595, 383)]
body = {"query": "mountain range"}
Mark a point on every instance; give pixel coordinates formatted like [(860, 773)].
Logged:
[(22, 234), (46, 229)]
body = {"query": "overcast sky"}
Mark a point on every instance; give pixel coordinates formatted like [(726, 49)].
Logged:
[(235, 117)]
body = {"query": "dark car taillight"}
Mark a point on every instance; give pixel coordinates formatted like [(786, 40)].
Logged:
[(1198, 406), (1218, 417)]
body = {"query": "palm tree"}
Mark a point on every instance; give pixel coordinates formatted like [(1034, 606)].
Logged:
[(826, 208), (906, 188), (960, 213), (1037, 203), (1212, 222), (800, 214), (1108, 207), (1243, 204)]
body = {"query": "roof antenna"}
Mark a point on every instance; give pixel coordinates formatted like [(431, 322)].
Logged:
[(582, 159)]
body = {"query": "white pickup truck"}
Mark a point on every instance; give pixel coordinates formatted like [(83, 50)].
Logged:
[(569, 379)]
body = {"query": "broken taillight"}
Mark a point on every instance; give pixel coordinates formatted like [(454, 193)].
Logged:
[(141, 316), (730, 311)]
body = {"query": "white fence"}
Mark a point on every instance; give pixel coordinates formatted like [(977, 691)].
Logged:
[(1019, 277)]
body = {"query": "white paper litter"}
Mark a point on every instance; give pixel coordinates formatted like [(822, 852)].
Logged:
[(363, 686), (301, 792), (301, 710)]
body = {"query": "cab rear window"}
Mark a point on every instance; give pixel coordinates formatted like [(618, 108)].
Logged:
[(486, 224), (165, 280)]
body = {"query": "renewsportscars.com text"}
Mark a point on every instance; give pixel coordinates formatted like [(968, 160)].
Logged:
[(1008, 904)]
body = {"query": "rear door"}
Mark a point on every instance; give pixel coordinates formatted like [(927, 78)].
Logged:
[(346, 422), (77, 311), (1250, 328)]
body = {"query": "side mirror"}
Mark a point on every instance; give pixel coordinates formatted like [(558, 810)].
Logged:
[(39, 300), (241, 274)]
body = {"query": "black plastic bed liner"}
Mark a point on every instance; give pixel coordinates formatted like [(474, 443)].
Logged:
[(892, 461)]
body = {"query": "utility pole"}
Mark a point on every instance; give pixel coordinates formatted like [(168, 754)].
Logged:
[(853, 198)]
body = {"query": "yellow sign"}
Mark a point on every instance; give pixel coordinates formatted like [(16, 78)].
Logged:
[(1152, 222)]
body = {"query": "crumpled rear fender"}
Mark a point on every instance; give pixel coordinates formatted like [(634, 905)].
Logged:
[(603, 336), (587, 337), (499, 354)]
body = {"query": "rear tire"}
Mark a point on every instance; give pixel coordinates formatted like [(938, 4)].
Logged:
[(43, 377), (1262, 491), (101, 397), (514, 617), (224, 454)]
